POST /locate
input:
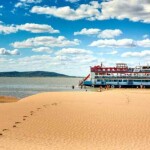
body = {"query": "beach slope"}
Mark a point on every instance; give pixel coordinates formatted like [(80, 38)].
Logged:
[(109, 120)]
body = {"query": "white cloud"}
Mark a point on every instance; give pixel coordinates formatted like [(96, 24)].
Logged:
[(82, 60), (37, 28), (42, 49), (30, 63), (135, 10), (73, 57), (91, 31), (114, 43), (26, 14), (25, 3), (72, 1), (73, 51), (112, 52), (31, 1), (19, 4), (114, 9), (3, 51), (136, 54), (49, 41), (13, 11), (145, 36), (88, 11), (121, 43), (144, 43), (63, 64), (107, 33), (8, 29), (3, 60), (110, 33), (30, 27)]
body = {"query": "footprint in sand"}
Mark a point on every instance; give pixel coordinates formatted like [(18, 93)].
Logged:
[(14, 126), (38, 109), (1, 134), (54, 104), (17, 122), (5, 129), (25, 116), (44, 106), (128, 99), (31, 113)]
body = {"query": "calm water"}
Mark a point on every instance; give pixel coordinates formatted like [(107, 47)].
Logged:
[(22, 87)]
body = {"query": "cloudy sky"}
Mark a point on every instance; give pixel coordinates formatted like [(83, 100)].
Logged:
[(69, 36)]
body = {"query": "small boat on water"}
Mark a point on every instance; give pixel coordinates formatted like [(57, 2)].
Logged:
[(119, 76)]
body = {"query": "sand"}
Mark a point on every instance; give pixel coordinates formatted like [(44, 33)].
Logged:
[(8, 99), (110, 120)]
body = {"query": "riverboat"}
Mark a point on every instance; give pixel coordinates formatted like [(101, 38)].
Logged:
[(119, 76)]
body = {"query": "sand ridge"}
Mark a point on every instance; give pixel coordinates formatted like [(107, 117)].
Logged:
[(111, 120)]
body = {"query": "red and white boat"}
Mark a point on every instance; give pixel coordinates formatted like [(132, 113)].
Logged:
[(119, 76)]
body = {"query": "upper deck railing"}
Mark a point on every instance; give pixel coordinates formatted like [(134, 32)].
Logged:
[(120, 68), (124, 77)]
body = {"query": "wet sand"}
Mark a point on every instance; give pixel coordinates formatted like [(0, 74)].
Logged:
[(8, 99), (111, 120)]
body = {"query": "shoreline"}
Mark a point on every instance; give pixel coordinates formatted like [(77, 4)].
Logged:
[(8, 99)]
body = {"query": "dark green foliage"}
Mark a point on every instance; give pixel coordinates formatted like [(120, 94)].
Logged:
[(31, 74)]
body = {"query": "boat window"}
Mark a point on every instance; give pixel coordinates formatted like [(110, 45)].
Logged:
[(145, 80), (98, 80), (146, 67), (96, 76), (137, 80), (124, 80), (109, 80)]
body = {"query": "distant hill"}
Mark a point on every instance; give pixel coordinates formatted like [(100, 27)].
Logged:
[(31, 74)]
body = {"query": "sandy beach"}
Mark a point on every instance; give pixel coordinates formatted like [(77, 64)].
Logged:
[(8, 99), (116, 119)]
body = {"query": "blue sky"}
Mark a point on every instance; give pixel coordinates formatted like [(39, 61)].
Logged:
[(69, 36)]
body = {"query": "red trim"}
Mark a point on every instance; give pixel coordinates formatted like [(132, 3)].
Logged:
[(84, 79), (98, 68), (120, 72)]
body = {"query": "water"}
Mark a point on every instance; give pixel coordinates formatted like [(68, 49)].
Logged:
[(22, 87)]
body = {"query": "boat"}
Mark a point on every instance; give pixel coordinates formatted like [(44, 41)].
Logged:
[(119, 76)]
